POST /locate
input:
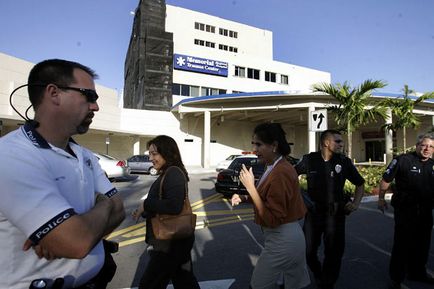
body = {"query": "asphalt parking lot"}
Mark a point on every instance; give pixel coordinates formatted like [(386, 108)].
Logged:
[(228, 243)]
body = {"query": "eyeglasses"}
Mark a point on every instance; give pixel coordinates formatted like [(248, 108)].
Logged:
[(90, 94), (338, 141)]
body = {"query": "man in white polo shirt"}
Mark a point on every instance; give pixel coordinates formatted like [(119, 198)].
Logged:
[(56, 202)]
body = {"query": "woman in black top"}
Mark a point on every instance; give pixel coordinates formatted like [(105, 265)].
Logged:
[(169, 259)]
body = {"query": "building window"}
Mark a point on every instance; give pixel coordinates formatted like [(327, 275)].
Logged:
[(204, 27), (210, 28), (205, 91), (176, 89), (252, 73), (223, 31), (209, 44), (223, 47), (226, 32), (270, 76), (284, 79), (185, 90), (199, 42), (228, 48), (194, 90), (240, 71), (199, 26)]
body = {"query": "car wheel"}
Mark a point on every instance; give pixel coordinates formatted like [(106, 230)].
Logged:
[(153, 171)]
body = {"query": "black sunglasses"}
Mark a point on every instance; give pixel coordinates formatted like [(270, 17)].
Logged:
[(91, 95)]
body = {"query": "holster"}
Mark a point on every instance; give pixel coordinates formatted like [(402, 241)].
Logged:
[(108, 270)]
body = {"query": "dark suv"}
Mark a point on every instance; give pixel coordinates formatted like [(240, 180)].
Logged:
[(228, 181)]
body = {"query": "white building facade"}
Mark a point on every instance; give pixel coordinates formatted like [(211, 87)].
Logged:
[(225, 82)]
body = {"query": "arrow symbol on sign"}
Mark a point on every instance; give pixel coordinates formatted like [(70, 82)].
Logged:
[(321, 116)]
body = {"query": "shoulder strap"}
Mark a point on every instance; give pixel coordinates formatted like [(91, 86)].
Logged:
[(162, 180)]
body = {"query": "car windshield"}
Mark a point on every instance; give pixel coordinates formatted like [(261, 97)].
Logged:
[(107, 156), (248, 162), (231, 157)]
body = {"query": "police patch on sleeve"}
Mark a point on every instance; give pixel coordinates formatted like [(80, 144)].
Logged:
[(50, 225), (392, 164)]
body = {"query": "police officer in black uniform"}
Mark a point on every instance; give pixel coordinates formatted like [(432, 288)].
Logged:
[(413, 203), (326, 172)]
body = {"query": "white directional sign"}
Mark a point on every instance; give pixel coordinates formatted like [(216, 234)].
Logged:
[(318, 120)]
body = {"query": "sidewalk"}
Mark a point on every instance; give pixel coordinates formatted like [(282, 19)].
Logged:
[(196, 170)]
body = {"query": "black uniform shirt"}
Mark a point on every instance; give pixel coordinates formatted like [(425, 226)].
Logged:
[(414, 179), (326, 180)]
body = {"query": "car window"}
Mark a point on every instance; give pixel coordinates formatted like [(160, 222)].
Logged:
[(236, 163), (133, 159), (146, 158), (231, 157), (108, 157)]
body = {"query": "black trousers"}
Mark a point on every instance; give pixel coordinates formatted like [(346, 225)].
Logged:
[(411, 242), (321, 226), (174, 264)]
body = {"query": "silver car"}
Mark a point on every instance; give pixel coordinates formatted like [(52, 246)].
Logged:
[(141, 164), (114, 169)]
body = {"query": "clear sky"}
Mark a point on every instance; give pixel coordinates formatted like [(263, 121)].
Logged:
[(354, 40)]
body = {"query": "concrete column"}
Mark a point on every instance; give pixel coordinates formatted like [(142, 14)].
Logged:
[(311, 134), (136, 146), (388, 137), (206, 139)]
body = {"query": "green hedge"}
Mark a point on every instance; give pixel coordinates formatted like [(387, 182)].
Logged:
[(371, 174)]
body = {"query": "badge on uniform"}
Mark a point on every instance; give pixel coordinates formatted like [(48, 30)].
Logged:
[(338, 168), (89, 163)]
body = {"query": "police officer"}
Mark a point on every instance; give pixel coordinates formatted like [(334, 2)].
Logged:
[(413, 203), (56, 203), (326, 172)]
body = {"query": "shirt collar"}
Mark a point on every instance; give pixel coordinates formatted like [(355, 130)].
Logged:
[(37, 139)]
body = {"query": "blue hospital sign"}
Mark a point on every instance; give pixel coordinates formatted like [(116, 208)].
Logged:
[(202, 65)]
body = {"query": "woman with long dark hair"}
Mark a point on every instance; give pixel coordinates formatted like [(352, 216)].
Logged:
[(170, 260), (278, 207)]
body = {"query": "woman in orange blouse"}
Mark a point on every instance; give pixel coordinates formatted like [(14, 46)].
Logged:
[(278, 207)]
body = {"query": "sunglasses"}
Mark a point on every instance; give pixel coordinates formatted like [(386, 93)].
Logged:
[(90, 94)]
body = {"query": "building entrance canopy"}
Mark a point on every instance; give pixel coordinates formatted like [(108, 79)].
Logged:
[(290, 108)]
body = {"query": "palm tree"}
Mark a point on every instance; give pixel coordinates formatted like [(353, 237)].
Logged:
[(402, 110), (352, 110)]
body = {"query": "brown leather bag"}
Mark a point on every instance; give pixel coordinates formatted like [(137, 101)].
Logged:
[(169, 227)]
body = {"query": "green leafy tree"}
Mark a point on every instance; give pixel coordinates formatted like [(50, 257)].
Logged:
[(402, 112), (354, 108)]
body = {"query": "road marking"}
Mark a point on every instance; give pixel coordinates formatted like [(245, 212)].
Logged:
[(122, 231), (140, 229), (223, 221), (224, 212), (213, 284), (131, 241), (136, 233), (201, 203)]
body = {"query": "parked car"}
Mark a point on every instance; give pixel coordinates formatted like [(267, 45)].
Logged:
[(141, 164), (228, 180), (225, 164), (115, 169)]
